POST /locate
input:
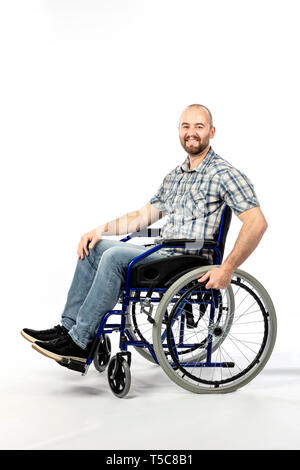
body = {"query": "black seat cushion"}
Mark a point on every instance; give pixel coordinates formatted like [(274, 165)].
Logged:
[(162, 273)]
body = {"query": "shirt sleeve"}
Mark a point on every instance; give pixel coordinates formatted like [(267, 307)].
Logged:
[(237, 191), (158, 200)]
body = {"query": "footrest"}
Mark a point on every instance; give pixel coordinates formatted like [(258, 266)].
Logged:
[(73, 364)]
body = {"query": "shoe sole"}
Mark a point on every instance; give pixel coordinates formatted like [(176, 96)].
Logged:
[(54, 356), (29, 338)]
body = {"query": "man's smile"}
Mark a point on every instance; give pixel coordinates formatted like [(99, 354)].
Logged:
[(192, 140)]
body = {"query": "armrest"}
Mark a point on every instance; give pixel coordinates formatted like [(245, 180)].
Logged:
[(147, 232), (183, 241)]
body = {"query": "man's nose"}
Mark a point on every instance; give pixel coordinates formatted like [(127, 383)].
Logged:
[(191, 131)]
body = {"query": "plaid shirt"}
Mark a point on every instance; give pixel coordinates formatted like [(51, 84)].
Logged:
[(193, 200)]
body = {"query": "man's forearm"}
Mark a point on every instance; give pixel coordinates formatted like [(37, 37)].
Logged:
[(131, 222), (248, 239)]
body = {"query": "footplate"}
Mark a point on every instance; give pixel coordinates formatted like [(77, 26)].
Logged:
[(74, 365)]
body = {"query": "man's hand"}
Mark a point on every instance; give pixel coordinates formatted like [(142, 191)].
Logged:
[(218, 278), (90, 238)]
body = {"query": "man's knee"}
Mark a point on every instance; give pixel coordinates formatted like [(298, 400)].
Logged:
[(117, 256), (113, 252), (103, 245)]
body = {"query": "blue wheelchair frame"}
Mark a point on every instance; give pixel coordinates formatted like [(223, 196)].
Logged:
[(126, 338)]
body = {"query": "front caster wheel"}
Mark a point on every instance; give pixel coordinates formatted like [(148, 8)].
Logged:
[(102, 353), (119, 376)]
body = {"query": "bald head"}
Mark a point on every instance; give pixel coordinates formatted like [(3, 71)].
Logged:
[(202, 108)]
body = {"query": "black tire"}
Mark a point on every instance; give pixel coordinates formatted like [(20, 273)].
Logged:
[(102, 353), (119, 376)]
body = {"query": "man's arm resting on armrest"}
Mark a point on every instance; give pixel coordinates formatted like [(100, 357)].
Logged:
[(252, 230), (131, 222)]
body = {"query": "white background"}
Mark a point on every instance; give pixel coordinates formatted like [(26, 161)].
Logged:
[(91, 93)]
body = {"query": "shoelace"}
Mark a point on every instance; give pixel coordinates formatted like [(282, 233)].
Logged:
[(61, 340), (54, 329), (60, 329)]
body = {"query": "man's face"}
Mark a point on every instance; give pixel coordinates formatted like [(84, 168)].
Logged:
[(195, 131)]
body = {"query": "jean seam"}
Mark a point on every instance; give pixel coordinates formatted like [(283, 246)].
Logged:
[(66, 325), (90, 263)]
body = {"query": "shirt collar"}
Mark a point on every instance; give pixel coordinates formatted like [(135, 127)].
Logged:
[(185, 166)]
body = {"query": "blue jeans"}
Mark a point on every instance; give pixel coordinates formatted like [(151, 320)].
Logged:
[(96, 286)]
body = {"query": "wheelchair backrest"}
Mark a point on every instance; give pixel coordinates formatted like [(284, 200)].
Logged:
[(221, 235)]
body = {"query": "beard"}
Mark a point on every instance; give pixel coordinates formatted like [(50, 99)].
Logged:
[(194, 149)]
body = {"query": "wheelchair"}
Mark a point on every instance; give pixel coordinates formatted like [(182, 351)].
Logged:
[(205, 340)]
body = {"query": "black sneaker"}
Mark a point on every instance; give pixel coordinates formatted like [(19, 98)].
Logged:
[(44, 335), (62, 348)]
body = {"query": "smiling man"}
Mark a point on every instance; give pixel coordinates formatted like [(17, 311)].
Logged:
[(220, 182), (192, 197)]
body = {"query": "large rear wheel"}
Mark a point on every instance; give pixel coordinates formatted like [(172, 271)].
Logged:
[(235, 335)]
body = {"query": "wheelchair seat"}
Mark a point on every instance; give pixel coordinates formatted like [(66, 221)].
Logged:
[(164, 272)]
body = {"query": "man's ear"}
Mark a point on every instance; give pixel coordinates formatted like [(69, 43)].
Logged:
[(212, 132)]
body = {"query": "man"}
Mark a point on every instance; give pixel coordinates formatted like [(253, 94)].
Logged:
[(193, 197)]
